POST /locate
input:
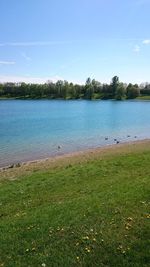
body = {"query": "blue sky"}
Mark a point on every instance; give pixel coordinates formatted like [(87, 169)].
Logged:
[(74, 39)]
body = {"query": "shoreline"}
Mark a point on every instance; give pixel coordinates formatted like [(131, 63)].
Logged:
[(140, 98), (76, 157)]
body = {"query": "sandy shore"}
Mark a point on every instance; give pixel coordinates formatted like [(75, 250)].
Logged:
[(73, 158)]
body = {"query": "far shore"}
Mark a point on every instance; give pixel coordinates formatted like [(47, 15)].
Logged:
[(139, 98), (13, 171)]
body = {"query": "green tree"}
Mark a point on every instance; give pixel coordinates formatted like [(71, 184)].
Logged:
[(133, 91), (65, 90), (88, 81), (120, 92), (89, 89), (59, 85), (114, 85), (1, 90)]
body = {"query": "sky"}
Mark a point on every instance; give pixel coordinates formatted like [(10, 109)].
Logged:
[(71, 40)]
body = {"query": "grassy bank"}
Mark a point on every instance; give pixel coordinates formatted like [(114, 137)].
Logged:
[(86, 210), (95, 97), (146, 97)]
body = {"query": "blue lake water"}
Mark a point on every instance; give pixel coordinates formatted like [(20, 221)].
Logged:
[(33, 129)]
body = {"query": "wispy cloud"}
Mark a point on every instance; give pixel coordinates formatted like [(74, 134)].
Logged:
[(146, 42), (27, 58), (39, 43), (28, 79), (53, 43), (136, 49), (7, 62)]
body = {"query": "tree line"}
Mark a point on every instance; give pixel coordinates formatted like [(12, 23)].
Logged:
[(92, 89)]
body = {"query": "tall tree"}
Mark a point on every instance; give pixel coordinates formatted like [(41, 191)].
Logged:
[(114, 85), (120, 92), (89, 89)]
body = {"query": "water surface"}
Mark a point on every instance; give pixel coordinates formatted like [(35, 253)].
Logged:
[(33, 129)]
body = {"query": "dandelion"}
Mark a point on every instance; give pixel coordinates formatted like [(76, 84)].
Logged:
[(91, 230), (120, 247), (94, 239), (43, 265), (77, 258), (27, 250), (88, 250), (127, 226), (129, 219), (148, 216), (86, 238)]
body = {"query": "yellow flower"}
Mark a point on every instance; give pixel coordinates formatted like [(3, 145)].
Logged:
[(120, 247), (129, 219), (86, 238), (78, 258), (88, 250)]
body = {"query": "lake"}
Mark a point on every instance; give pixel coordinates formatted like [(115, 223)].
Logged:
[(34, 129)]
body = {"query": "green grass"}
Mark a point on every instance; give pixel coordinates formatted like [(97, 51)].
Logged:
[(146, 97), (92, 213)]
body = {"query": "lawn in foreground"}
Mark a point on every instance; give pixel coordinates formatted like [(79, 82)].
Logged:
[(92, 213)]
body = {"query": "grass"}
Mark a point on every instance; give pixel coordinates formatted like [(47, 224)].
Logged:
[(90, 212), (146, 97)]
